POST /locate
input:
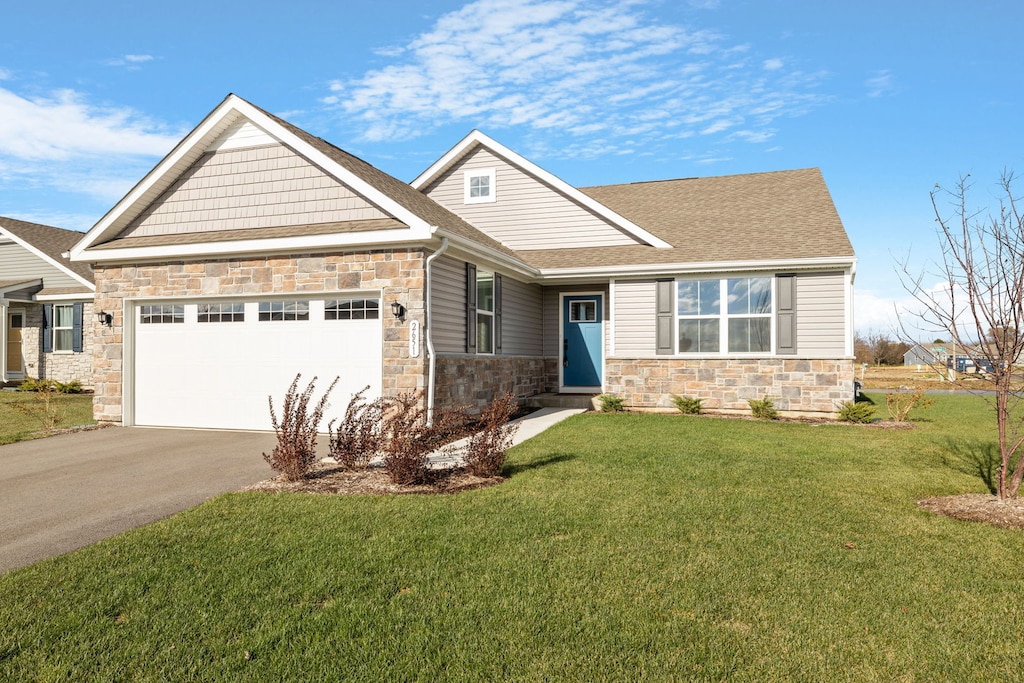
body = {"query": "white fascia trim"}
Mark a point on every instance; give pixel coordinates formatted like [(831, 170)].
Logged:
[(494, 256), (477, 138), (56, 264), (362, 241), (681, 268), (231, 109), (66, 297)]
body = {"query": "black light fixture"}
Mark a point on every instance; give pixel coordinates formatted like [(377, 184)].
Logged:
[(397, 310), (104, 318)]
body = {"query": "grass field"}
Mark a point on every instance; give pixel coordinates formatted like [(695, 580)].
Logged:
[(623, 547), (15, 425)]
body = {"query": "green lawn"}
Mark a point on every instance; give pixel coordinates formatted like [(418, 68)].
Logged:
[(624, 547), (15, 425)]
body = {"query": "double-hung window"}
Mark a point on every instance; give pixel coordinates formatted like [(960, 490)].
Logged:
[(725, 315), (484, 312), (63, 327)]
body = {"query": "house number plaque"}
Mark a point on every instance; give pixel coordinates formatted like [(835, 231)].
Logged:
[(414, 338)]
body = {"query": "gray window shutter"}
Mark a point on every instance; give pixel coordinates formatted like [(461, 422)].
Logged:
[(785, 314), (665, 305), (47, 328), (497, 313), (470, 308), (76, 330)]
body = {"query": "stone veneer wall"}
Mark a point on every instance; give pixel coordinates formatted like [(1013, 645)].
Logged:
[(398, 273), (795, 385), (62, 367), (473, 381)]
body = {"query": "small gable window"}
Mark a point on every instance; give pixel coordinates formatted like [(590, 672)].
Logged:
[(479, 186)]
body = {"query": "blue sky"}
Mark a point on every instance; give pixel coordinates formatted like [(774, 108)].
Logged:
[(887, 98)]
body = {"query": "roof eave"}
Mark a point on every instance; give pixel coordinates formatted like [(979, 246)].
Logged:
[(665, 269)]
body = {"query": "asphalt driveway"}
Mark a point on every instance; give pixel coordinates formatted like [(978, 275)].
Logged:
[(65, 492)]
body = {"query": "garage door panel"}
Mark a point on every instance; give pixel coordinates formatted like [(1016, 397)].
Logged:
[(219, 375)]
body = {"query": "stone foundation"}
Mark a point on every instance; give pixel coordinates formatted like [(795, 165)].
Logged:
[(473, 381), (796, 386)]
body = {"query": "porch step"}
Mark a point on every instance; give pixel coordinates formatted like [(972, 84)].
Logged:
[(551, 400)]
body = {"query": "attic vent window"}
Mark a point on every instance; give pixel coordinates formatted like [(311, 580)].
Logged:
[(479, 186)]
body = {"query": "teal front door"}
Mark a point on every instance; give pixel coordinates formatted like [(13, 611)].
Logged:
[(582, 340)]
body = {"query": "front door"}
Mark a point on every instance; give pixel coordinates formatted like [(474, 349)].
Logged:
[(15, 353), (582, 340)]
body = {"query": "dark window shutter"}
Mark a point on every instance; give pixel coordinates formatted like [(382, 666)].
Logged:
[(47, 328), (76, 330), (785, 300), (497, 313), (470, 308), (665, 305)]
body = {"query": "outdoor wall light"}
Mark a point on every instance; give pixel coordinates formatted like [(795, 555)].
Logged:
[(104, 318), (397, 310)]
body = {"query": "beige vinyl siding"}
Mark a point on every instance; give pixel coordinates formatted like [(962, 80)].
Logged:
[(448, 305), (821, 314), (553, 314), (18, 263), (635, 318), (528, 214), (522, 325), (257, 187)]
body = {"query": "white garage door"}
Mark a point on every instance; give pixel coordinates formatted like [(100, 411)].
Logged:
[(213, 364)]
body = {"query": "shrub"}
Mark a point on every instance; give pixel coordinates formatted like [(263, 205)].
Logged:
[(858, 412), (358, 437), (295, 452), (33, 384), (46, 407), (687, 405), (900, 403), (485, 455), (763, 409), (611, 404), (72, 387)]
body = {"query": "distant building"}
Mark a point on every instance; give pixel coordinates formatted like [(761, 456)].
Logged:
[(927, 354)]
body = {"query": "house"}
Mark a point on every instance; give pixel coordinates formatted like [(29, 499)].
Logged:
[(45, 305), (927, 354), (256, 250)]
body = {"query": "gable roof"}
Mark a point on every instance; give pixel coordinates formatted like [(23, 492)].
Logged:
[(477, 139), (756, 217), (50, 244), (411, 209)]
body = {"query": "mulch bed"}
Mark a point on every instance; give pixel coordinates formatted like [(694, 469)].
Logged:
[(979, 507), (331, 479)]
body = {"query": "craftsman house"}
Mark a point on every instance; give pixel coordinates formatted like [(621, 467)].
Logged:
[(255, 250), (45, 305)]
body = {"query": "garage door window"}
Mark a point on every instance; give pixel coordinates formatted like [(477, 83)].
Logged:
[(284, 310), (352, 309), (162, 313), (221, 313)]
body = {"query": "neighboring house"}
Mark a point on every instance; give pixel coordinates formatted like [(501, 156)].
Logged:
[(927, 354), (255, 250), (45, 305)]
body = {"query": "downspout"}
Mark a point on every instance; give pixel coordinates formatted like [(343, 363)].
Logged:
[(429, 330)]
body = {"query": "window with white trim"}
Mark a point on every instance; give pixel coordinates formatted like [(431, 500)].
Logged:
[(63, 327), (479, 186), (727, 315), (484, 312), (284, 310), (352, 309), (157, 314), (221, 313)]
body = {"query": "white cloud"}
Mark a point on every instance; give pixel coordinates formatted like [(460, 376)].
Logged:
[(130, 61), (571, 67), (881, 83), (99, 150), (5, 75)]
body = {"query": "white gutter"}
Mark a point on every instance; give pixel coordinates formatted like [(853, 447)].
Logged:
[(652, 269), (429, 329)]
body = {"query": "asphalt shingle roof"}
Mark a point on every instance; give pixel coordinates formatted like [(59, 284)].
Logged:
[(51, 241), (751, 217)]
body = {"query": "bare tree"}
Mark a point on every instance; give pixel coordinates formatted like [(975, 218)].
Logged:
[(983, 306)]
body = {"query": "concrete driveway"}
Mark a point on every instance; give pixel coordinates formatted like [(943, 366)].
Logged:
[(65, 492)]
